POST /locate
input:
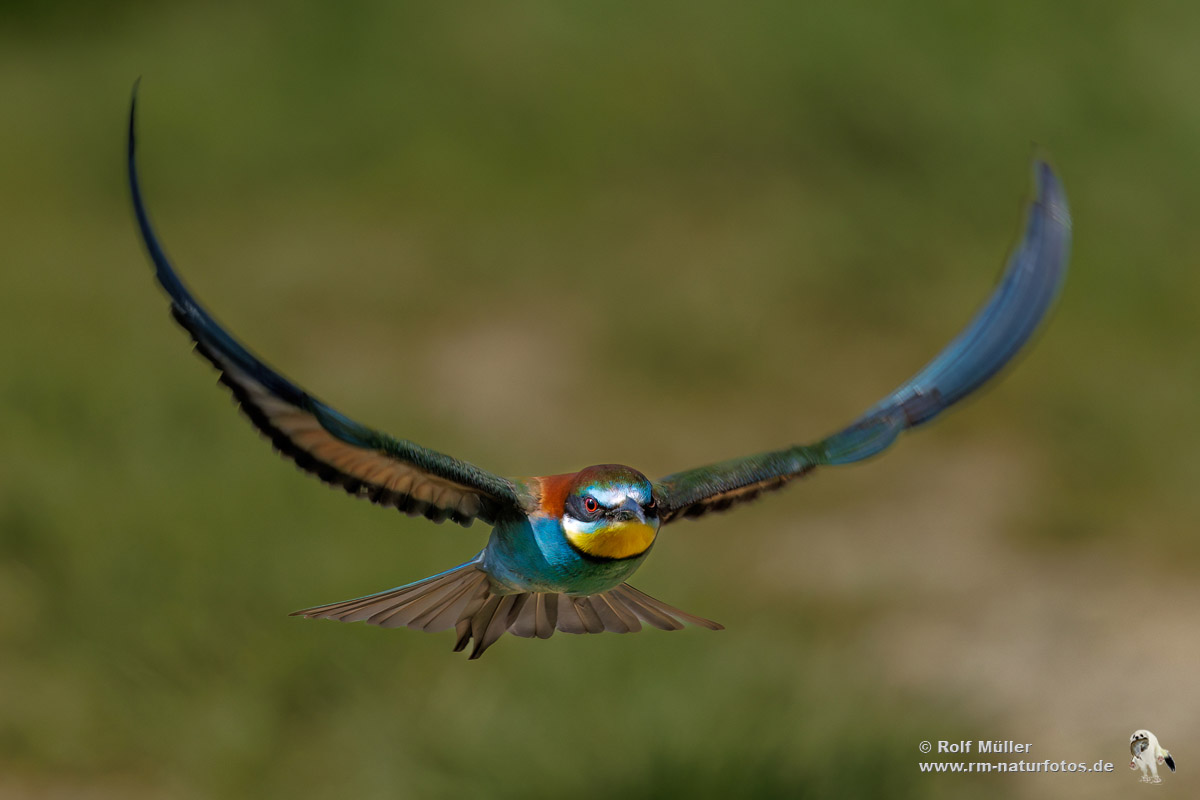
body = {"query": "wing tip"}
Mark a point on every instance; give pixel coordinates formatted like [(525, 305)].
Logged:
[(1050, 192), (133, 114)]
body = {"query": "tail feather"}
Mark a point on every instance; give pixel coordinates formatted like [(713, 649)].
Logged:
[(568, 616), (634, 596), (496, 628), (615, 615), (422, 606), (627, 615), (546, 615), (447, 615), (396, 615), (463, 630), (660, 620), (524, 616), (480, 622), (362, 608), (591, 620), (464, 599)]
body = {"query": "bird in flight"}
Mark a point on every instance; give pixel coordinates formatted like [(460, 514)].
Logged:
[(562, 546)]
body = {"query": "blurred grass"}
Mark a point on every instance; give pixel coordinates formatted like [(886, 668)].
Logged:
[(537, 236)]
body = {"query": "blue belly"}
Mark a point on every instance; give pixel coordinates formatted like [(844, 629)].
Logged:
[(534, 556)]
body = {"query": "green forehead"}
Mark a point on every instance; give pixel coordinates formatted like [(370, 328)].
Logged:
[(612, 492), (611, 482)]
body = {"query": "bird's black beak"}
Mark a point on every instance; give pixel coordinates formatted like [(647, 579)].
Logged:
[(629, 509)]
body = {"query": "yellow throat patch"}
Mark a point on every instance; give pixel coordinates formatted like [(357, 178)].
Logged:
[(622, 540)]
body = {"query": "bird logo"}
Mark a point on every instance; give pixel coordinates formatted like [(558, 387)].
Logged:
[(1148, 754), (563, 546)]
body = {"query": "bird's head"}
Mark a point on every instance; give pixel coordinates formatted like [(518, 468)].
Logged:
[(608, 511)]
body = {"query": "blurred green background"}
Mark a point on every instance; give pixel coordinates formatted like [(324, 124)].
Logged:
[(544, 235)]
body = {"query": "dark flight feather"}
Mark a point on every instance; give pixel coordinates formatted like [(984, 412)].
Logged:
[(322, 441)]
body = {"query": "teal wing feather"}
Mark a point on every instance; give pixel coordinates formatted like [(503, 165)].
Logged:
[(1026, 292), (322, 441)]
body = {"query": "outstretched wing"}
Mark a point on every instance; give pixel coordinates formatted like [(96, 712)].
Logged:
[(338, 450), (1026, 291)]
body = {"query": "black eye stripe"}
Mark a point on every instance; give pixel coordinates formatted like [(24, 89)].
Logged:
[(577, 508), (587, 508)]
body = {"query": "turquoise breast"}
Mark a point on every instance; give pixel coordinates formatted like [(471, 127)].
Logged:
[(533, 555)]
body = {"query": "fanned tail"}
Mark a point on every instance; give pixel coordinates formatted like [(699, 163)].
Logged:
[(463, 599), (434, 604)]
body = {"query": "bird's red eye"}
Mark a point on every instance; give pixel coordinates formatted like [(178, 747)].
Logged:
[(590, 505)]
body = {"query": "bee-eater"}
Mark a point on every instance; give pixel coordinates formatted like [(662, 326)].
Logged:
[(562, 546)]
